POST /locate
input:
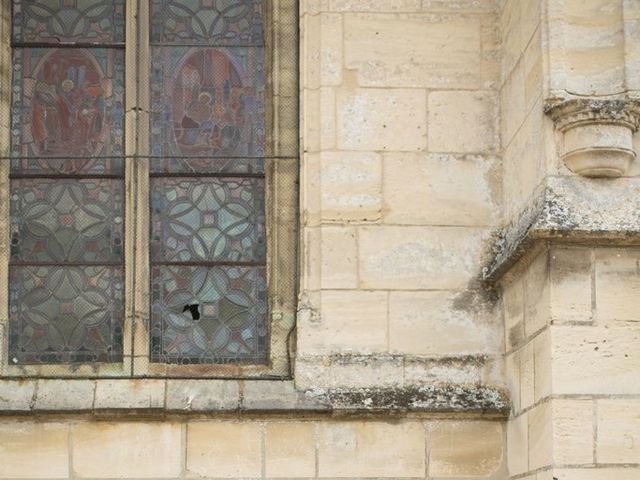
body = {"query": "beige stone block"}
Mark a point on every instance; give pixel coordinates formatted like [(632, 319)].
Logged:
[(368, 372), (513, 374), (331, 40), (418, 257), (440, 189), (460, 6), (202, 395), (512, 103), (290, 450), (318, 119), (491, 53), (518, 444), (339, 253), (310, 46), (371, 449), (313, 7), (530, 17), (540, 436), (570, 295), (351, 186), (533, 67), (432, 51), (572, 431), (618, 431), (380, 119), (224, 449), (16, 395), (632, 43), (349, 321), (421, 371), (127, 449), (513, 304), (527, 376), (33, 450), (375, 5), (125, 393), (471, 114), (595, 360), (512, 33), (617, 285), (542, 365), (465, 449), (536, 294), (596, 473), (64, 394), (439, 323)]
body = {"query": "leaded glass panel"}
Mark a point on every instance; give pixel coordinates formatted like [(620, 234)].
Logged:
[(67, 102), (208, 165), (207, 22), (207, 220), (56, 166), (59, 21), (66, 220), (232, 314), (65, 314), (207, 102)]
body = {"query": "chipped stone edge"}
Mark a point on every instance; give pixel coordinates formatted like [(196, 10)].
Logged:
[(22, 397), (550, 218)]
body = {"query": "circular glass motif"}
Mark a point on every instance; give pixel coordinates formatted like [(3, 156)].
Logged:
[(68, 105), (208, 104)]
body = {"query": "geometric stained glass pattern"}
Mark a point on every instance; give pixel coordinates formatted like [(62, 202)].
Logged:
[(208, 220), (56, 21), (67, 102), (207, 22), (66, 220), (232, 303), (207, 165), (56, 166), (207, 102), (65, 314)]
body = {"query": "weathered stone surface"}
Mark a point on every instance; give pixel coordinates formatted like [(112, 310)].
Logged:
[(126, 450), (202, 395), (129, 394), (518, 444), (16, 395), (290, 450), (573, 431), (618, 431), (34, 450), (465, 449), (570, 289), (618, 285), (339, 257), (621, 473), (540, 436), (64, 395), (371, 449)]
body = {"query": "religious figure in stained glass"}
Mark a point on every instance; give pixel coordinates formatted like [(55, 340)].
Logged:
[(70, 102)]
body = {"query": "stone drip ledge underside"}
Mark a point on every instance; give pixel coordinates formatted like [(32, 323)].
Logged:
[(570, 209), (177, 396)]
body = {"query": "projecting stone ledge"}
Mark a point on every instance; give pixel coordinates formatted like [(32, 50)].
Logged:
[(126, 397), (570, 210)]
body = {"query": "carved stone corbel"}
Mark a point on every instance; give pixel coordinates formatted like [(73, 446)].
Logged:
[(597, 134)]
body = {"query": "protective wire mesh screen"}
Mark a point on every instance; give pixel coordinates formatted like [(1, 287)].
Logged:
[(218, 191)]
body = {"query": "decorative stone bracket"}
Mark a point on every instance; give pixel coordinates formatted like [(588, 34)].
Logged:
[(597, 134)]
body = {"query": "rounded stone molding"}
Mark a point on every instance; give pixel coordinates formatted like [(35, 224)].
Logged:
[(598, 134)]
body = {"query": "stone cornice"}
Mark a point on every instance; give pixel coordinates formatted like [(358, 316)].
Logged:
[(570, 209), (576, 112)]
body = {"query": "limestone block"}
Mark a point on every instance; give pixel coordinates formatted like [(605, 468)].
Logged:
[(491, 48), (350, 321), (121, 450), (375, 5), (367, 372), (439, 323), (632, 43), (530, 16), (542, 365), (617, 285), (527, 376), (290, 450), (330, 49), (34, 450), (351, 184), (570, 295), (512, 103), (420, 371), (440, 189), (310, 65), (536, 294), (432, 51), (125, 393), (418, 257), (533, 70), (595, 360), (380, 119), (16, 394), (224, 449), (459, 5), (596, 473), (512, 34), (513, 304), (339, 257), (64, 394), (318, 120), (202, 394), (313, 7), (518, 444), (573, 431), (512, 372), (465, 449), (540, 436), (472, 114), (618, 431), (371, 449)]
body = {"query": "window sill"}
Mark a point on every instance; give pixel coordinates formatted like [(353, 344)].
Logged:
[(175, 397)]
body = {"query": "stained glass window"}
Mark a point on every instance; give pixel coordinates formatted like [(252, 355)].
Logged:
[(208, 238), (66, 272)]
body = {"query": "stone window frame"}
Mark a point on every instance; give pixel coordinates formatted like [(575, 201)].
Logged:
[(281, 180)]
